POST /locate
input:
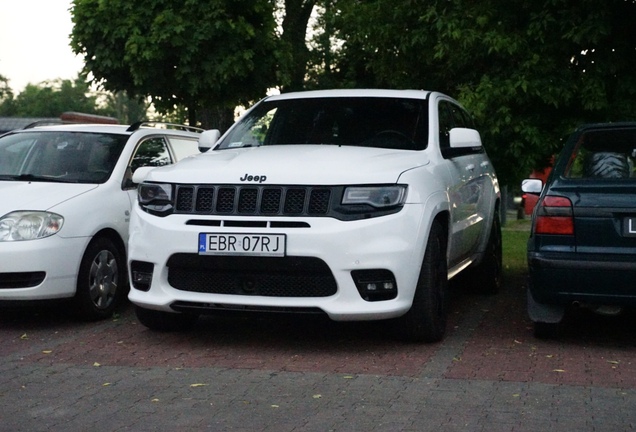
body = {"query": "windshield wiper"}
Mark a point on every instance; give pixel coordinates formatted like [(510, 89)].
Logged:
[(33, 177)]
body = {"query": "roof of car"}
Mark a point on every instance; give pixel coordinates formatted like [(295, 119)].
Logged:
[(411, 94), (167, 128)]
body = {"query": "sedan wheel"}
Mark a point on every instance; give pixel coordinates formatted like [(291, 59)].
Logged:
[(101, 281)]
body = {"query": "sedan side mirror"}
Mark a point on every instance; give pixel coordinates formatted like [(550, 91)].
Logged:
[(532, 186), (141, 173)]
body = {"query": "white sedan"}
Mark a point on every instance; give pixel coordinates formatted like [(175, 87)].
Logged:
[(66, 193)]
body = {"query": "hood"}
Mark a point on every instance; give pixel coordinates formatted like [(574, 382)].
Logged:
[(21, 195), (293, 164)]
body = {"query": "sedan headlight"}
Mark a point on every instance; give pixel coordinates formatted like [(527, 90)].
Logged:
[(155, 198), (29, 225), (376, 196)]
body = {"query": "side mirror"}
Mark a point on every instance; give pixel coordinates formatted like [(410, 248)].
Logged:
[(208, 139), (141, 173), (532, 186), (464, 138)]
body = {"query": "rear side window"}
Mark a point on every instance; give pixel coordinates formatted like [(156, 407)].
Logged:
[(604, 154)]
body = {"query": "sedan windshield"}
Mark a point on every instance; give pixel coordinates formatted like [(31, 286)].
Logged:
[(73, 157), (392, 123)]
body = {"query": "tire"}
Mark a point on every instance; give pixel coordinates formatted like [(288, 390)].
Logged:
[(487, 276), (102, 281), (426, 320), (607, 165), (165, 321)]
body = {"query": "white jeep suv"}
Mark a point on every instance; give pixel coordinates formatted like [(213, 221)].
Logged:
[(360, 204)]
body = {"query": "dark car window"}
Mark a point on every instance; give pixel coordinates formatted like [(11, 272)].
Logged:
[(453, 116), (604, 154), (151, 152), (367, 122)]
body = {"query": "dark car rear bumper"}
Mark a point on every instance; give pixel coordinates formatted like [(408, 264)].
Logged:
[(566, 278)]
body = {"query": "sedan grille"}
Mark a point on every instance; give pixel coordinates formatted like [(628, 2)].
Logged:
[(253, 200)]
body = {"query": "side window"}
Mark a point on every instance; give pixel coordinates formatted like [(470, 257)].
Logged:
[(445, 125), (151, 152), (452, 116), (183, 147), (459, 116)]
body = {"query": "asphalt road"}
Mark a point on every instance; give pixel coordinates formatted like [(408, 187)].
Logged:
[(260, 373)]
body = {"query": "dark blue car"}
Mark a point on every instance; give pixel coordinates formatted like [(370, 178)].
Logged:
[(582, 246)]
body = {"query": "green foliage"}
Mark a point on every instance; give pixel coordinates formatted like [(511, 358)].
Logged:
[(529, 71), (50, 99), (180, 53)]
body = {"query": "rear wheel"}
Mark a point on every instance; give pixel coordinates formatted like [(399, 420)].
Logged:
[(426, 320), (165, 321), (101, 282)]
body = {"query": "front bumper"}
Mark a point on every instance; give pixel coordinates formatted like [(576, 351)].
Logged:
[(40, 269), (395, 243)]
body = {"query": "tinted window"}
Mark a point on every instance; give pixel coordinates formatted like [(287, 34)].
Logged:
[(604, 154), (366, 122), (151, 152)]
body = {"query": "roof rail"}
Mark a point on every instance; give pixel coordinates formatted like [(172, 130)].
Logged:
[(43, 123), (163, 125)]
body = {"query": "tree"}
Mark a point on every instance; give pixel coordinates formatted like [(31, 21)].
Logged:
[(206, 55), (51, 99), (529, 71), (6, 97), (127, 110), (294, 52)]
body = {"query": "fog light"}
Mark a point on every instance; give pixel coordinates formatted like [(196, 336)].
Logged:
[(375, 284), (140, 277), (141, 274)]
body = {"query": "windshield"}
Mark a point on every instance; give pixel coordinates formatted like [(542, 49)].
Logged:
[(73, 157), (392, 123)]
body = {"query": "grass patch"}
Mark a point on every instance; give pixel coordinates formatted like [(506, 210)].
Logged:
[(514, 242)]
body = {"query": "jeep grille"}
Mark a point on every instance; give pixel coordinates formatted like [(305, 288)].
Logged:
[(253, 200)]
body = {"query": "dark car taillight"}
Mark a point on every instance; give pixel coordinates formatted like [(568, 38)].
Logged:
[(554, 216)]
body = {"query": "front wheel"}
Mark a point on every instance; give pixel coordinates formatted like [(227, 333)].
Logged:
[(165, 321), (426, 320), (101, 282)]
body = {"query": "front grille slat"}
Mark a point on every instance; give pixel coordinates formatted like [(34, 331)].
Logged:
[(253, 200)]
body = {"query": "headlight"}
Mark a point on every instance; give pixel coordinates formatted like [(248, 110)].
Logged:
[(155, 198), (376, 196), (29, 225)]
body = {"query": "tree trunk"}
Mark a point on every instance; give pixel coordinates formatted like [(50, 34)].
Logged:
[(297, 14), (217, 117)]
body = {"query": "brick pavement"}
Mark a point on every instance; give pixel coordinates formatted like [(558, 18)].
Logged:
[(291, 374)]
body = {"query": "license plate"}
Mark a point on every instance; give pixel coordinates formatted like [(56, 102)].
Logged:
[(629, 227), (242, 244)]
